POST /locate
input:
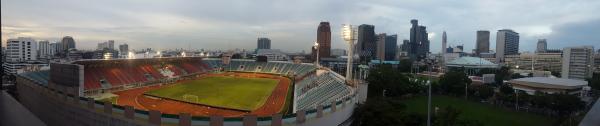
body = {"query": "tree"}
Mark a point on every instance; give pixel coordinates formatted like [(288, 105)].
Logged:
[(454, 82), (502, 74), (405, 65), (594, 82), (384, 80), (384, 112), (484, 91), (448, 116)]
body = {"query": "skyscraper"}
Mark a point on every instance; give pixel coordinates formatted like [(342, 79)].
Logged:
[(44, 49), (124, 48), (577, 62), (391, 42), (324, 40), (507, 43), (542, 46), (67, 43), (381, 46), (444, 41), (263, 43), (111, 44), (366, 46), (483, 42), (419, 41)]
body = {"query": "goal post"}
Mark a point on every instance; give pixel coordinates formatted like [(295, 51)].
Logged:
[(190, 98)]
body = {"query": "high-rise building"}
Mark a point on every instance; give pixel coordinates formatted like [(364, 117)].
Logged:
[(338, 52), (124, 50), (542, 46), (405, 45), (577, 62), (507, 43), (55, 48), (263, 43), (366, 46), (391, 42), (21, 49), (110, 45), (444, 42), (419, 41), (324, 40), (67, 43), (381, 46), (44, 49), (483, 42)]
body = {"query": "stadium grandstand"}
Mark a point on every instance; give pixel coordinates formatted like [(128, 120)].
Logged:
[(72, 94)]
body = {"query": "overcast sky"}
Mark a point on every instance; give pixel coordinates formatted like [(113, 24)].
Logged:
[(292, 24)]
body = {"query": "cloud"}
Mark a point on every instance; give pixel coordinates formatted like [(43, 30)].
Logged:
[(575, 34), (291, 25)]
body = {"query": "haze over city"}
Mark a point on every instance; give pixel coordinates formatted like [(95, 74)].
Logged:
[(291, 25)]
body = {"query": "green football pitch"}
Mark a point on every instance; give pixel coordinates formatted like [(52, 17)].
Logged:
[(225, 92)]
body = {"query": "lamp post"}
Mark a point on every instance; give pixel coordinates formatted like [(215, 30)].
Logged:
[(317, 48), (348, 33), (429, 67)]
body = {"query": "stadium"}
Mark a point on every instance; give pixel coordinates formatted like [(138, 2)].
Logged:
[(188, 91)]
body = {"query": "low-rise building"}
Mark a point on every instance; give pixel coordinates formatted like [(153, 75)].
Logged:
[(550, 85)]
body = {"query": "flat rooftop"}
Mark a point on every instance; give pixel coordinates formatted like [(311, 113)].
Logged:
[(545, 82)]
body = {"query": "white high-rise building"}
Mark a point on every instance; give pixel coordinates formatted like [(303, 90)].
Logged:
[(110, 44), (44, 49), (21, 49), (507, 43), (577, 62)]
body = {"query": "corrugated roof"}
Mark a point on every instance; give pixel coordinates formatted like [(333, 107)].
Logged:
[(472, 61), (550, 81)]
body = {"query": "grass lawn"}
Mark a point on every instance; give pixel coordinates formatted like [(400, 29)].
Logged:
[(484, 113), (226, 92)]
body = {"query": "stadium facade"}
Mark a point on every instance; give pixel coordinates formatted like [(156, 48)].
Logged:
[(65, 94)]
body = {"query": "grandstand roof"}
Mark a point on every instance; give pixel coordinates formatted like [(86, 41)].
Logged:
[(545, 82), (471, 62)]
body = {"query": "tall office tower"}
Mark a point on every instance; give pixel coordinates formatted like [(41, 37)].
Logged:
[(483, 42), (111, 44), (67, 43), (381, 46), (578, 62), (324, 40), (124, 49), (366, 46), (507, 43), (391, 42), (44, 49), (56, 48), (444, 41), (405, 45), (419, 41), (21, 49), (542, 46), (263, 43)]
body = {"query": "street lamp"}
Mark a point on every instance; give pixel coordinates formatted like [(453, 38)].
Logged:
[(317, 48), (348, 33)]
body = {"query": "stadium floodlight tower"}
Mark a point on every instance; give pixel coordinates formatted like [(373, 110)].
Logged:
[(317, 48), (348, 33)]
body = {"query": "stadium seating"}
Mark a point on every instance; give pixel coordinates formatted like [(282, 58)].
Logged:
[(320, 90)]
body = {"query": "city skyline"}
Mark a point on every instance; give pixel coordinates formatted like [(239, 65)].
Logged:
[(201, 25)]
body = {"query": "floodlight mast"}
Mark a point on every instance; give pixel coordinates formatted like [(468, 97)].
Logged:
[(348, 33)]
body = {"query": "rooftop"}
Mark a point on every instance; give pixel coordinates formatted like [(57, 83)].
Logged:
[(546, 82), (471, 62)]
